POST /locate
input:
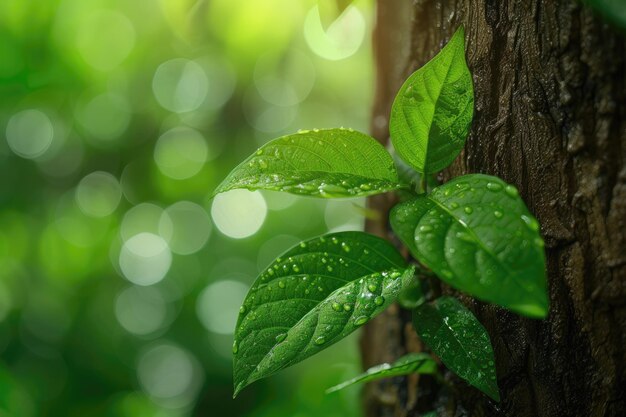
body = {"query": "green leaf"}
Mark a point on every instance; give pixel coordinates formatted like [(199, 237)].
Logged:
[(320, 163), (311, 297), (406, 365), (432, 113), (457, 337), (477, 235)]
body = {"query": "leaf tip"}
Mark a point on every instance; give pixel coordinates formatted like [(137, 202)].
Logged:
[(238, 387), (494, 394), (537, 308)]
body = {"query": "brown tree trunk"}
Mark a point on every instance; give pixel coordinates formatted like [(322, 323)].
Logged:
[(550, 118)]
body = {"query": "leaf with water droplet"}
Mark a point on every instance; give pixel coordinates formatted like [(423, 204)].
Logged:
[(457, 337), (432, 113), (406, 365), (328, 163), (289, 316), (487, 245)]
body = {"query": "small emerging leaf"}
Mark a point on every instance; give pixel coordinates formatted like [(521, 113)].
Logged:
[(477, 235), (311, 297), (432, 113), (457, 337), (331, 10), (321, 163), (406, 365)]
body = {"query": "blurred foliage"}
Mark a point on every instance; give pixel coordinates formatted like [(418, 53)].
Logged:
[(119, 279), (612, 10)]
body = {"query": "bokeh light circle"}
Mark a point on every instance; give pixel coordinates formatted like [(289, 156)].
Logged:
[(218, 304), (98, 194), (346, 215), (105, 117), (186, 227), (141, 310), (170, 375), (181, 152), (105, 39), (29, 133), (180, 85), (144, 217), (239, 213), (145, 259)]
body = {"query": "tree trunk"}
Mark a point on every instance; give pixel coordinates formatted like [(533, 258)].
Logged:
[(550, 118)]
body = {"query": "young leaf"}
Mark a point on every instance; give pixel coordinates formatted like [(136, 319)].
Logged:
[(457, 337), (477, 235), (311, 297), (432, 113), (320, 163), (406, 365)]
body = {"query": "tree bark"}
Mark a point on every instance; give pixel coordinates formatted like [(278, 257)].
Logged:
[(550, 118)]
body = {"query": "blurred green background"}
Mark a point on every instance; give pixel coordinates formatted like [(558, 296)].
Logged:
[(120, 281)]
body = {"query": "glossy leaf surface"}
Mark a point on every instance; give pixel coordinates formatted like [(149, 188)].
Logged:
[(321, 163), (406, 365), (457, 337), (311, 297), (477, 235), (433, 111)]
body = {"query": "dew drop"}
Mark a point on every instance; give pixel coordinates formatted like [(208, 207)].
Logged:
[(531, 223), (454, 205), (295, 268), (336, 306), (361, 320), (259, 152), (281, 284), (366, 252), (262, 164), (498, 214), (303, 245), (494, 186), (347, 307), (270, 272), (426, 228), (334, 240), (408, 93), (281, 337), (365, 187), (395, 275), (380, 300), (468, 210), (511, 191), (329, 268), (320, 340), (345, 247), (372, 287), (242, 309), (235, 347), (539, 242)]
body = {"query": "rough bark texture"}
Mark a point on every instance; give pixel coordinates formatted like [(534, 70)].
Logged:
[(550, 117)]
